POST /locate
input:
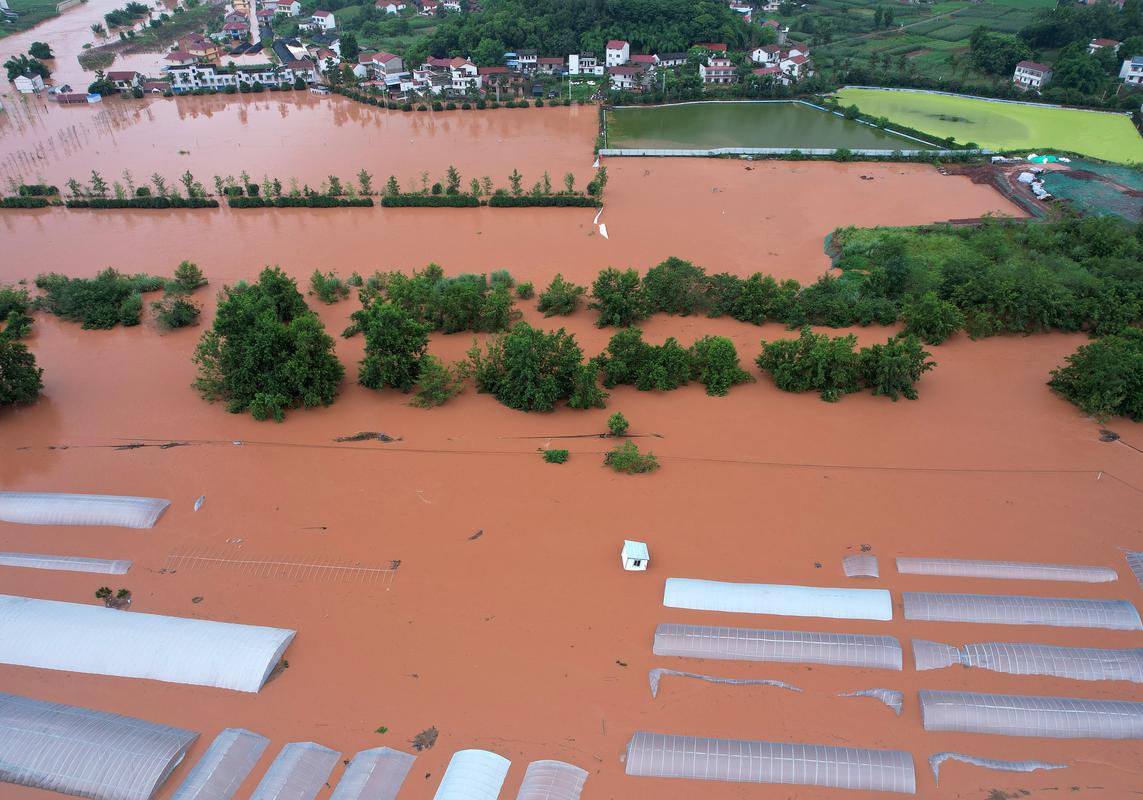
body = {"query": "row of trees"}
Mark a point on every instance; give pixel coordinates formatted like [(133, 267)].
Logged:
[(112, 298), (452, 185), (127, 186), (20, 378)]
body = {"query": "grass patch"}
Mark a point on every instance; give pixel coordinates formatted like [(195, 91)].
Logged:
[(1004, 126), (32, 12)]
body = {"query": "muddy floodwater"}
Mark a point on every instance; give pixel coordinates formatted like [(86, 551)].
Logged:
[(529, 640), (746, 124)]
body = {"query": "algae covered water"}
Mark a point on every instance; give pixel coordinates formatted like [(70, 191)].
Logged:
[(745, 124)]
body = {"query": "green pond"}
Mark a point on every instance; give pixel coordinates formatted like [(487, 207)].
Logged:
[(709, 125)]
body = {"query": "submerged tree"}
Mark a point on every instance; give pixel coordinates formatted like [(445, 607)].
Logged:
[(20, 378), (395, 346)]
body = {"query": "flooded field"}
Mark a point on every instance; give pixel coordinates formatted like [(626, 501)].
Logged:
[(745, 124), (529, 640)]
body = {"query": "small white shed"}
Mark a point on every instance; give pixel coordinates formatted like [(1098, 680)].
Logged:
[(634, 555), (29, 84)]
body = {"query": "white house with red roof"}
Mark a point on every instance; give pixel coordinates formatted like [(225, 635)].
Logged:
[(290, 8), (236, 30), (627, 77), (643, 59), (389, 6), (774, 73), (746, 11), (780, 30), (618, 52), (323, 20), (769, 54), (428, 7), (179, 58), (550, 65), (1030, 75), (1099, 44), (234, 16), (718, 70), (125, 80), (797, 67)]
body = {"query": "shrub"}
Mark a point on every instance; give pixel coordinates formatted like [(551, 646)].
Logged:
[(1105, 378), (436, 106), (430, 201), (630, 360), (13, 298), (175, 311), (815, 362), (107, 300), (189, 277), (20, 379), (329, 288), (266, 351), (501, 199), (555, 456), (395, 345), (617, 424), (676, 287), (627, 458), (560, 298), (528, 369), (438, 383), (501, 279), (17, 324), (892, 369), (619, 298), (715, 364), (525, 291), (931, 319)]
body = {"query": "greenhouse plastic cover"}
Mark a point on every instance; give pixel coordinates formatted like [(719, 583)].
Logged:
[(552, 780), (57, 508), (375, 774), (1008, 570), (298, 773), (1021, 715), (1064, 612), (78, 751), (225, 765), (788, 601), (936, 759), (890, 697), (749, 644), (64, 563), (1135, 562), (1078, 663), (655, 675), (864, 566), (658, 755), (473, 775), (49, 634)]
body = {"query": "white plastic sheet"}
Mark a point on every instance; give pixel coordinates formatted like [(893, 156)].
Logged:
[(552, 780), (1005, 570), (375, 774), (298, 773), (97, 566), (658, 755), (657, 674), (890, 697), (1023, 715), (937, 759), (48, 634), (861, 566), (473, 775), (789, 601), (58, 508), (1013, 658), (79, 751), (225, 765), (751, 644)]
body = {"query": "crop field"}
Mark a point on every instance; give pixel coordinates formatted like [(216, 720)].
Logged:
[(31, 13), (1003, 126)]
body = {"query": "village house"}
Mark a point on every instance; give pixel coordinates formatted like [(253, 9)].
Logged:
[(796, 67), (643, 59), (428, 8), (1030, 75), (77, 98), (179, 58), (236, 30), (770, 5), (124, 80), (628, 77), (769, 54), (389, 6), (550, 66), (583, 64), (672, 59), (1131, 73), (270, 5), (1098, 44), (323, 20), (498, 80), (451, 5), (290, 9), (465, 76), (236, 17), (618, 52), (714, 47), (780, 30), (774, 73), (28, 83), (187, 78), (265, 15), (718, 70), (746, 11), (156, 87), (526, 60), (199, 46)]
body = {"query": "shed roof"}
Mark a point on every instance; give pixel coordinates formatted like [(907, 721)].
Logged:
[(636, 550)]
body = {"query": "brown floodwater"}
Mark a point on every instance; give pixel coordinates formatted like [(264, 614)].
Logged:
[(530, 640)]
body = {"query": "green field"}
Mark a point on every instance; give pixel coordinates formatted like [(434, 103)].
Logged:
[(1004, 126), (32, 12)]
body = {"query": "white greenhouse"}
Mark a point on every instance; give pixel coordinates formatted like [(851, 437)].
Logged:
[(788, 601)]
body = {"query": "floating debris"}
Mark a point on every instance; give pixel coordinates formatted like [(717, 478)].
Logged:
[(476, 535), (198, 503), (367, 436), (937, 759), (890, 697), (425, 739), (655, 674)]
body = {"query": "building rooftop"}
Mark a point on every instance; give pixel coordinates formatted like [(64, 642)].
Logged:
[(1032, 65)]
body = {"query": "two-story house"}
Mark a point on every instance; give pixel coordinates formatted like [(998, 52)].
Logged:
[(718, 69), (618, 52), (1030, 75), (1132, 71)]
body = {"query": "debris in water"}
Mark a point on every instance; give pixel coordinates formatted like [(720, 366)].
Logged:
[(1108, 436), (196, 599), (621, 663), (132, 446), (198, 503), (363, 436), (169, 445), (394, 563), (425, 740), (475, 536), (236, 441)]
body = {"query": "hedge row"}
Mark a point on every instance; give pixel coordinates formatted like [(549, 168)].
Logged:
[(430, 201), (25, 202), (143, 202), (529, 201), (309, 201), (37, 190)]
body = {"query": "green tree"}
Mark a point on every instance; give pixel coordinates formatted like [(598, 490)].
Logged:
[(392, 188), (452, 180), (102, 85), (528, 369), (189, 277), (676, 287), (175, 311), (438, 382), (626, 458), (619, 298), (931, 319), (395, 347), (893, 369), (40, 50), (1105, 378), (586, 392), (560, 298), (617, 424), (349, 47), (814, 362), (20, 378), (18, 65), (98, 185), (514, 180), (715, 365), (365, 181)]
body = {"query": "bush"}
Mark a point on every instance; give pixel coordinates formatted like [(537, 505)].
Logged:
[(676, 287), (502, 199), (525, 291), (395, 345), (436, 106), (25, 202), (528, 369), (266, 351), (438, 383), (107, 300), (37, 190), (13, 298), (586, 392), (145, 202), (560, 298), (619, 298), (329, 288), (555, 456), (20, 379), (430, 201), (189, 277), (627, 458), (931, 319), (892, 369), (814, 362), (715, 364), (501, 279), (175, 311), (617, 424), (1105, 378), (630, 360)]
